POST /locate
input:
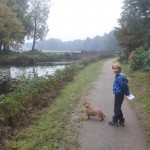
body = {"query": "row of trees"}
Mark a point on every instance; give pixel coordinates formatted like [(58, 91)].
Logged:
[(20, 19), (134, 30), (97, 43)]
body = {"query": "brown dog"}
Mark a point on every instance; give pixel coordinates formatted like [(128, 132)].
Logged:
[(90, 111)]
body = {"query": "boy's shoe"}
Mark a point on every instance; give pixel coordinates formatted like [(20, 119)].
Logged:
[(113, 123), (122, 122)]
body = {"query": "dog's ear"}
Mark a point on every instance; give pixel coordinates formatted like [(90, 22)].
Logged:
[(87, 105), (85, 102)]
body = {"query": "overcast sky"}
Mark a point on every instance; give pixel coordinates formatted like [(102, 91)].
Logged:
[(79, 19)]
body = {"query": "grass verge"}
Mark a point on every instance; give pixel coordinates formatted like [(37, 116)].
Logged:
[(139, 83), (49, 131)]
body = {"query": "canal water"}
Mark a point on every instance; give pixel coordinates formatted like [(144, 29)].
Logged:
[(17, 72)]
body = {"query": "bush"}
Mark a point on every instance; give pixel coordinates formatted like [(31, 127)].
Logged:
[(4, 60), (23, 61), (35, 93), (141, 60)]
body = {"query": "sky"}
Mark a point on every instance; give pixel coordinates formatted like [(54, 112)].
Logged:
[(78, 19)]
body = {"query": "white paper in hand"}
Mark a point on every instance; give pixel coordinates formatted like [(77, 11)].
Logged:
[(130, 97)]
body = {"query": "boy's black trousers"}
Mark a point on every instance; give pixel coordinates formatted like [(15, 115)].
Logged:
[(118, 115)]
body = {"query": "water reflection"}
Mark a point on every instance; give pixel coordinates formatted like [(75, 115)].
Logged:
[(16, 72)]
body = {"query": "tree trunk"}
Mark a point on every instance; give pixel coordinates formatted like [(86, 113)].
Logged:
[(34, 36), (4, 48), (33, 46), (0, 47), (8, 48)]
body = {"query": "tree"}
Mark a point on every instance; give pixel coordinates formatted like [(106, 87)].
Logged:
[(20, 8), (39, 10), (10, 27), (134, 23)]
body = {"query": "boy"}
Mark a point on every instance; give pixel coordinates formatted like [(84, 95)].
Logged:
[(120, 87)]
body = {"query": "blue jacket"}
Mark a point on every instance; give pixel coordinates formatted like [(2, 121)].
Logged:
[(120, 85)]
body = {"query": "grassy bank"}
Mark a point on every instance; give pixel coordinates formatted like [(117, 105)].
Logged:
[(49, 132), (139, 83), (31, 58)]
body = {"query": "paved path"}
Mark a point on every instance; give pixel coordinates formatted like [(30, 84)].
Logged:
[(96, 135)]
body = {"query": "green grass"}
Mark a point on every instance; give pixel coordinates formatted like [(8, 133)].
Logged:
[(139, 83), (50, 132)]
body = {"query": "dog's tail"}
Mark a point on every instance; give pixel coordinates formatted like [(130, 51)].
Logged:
[(104, 115)]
